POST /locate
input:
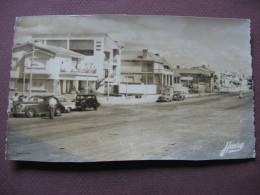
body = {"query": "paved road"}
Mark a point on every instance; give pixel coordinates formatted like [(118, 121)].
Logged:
[(194, 129)]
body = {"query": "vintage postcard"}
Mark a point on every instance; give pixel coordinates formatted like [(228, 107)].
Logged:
[(118, 88)]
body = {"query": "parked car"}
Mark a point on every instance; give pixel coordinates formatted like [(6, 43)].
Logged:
[(178, 95), (164, 98), (69, 105), (36, 106), (87, 101)]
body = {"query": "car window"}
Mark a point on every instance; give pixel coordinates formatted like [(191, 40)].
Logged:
[(62, 99), (40, 100), (33, 99)]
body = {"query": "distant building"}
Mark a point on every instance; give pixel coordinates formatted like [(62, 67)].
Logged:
[(208, 78), (231, 81), (197, 79), (145, 70)]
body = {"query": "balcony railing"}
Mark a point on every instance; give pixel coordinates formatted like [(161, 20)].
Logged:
[(163, 71)]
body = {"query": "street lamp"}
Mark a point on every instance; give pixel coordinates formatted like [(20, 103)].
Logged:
[(30, 84)]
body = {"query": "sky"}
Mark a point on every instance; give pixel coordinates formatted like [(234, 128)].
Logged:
[(220, 44)]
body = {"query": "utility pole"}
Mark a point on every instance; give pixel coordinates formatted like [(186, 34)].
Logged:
[(146, 84), (30, 85), (23, 78), (162, 84), (127, 85), (108, 84), (87, 84)]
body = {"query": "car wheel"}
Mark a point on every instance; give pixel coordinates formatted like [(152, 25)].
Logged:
[(68, 110), (30, 113), (57, 112)]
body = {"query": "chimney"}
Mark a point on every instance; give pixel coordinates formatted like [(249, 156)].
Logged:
[(178, 67), (145, 53)]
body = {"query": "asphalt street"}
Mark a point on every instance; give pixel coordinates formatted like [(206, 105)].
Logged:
[(194, 129)]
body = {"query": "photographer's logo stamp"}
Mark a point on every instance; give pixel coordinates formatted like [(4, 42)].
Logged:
[(231, 148)]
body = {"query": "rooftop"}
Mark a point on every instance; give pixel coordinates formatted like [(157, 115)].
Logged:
[(138, 55), (53, 49)]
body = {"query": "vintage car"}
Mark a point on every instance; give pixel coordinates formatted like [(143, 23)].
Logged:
[(86, 101), (36, 106), (68, 105), (178, 95), (164, 98)]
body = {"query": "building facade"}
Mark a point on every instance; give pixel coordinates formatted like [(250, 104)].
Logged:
[(36, 68), (196, 79), (145, 70), (102, 62), (232, 82)]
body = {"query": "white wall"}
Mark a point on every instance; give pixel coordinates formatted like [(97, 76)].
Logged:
[(137, 89)]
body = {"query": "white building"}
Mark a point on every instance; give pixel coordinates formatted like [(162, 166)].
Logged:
[(73, 62)]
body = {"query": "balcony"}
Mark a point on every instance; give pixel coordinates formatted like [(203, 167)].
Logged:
[(36, 70), (163, 71), (14, 74)]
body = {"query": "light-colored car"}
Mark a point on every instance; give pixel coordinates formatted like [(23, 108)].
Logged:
[(178, 95), (66, 103), (165, 98)]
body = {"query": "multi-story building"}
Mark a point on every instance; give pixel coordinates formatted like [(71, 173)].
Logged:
[(38, 68), (143, 72), (102, 62)]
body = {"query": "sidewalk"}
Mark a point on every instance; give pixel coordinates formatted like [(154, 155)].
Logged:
[(132, 100)]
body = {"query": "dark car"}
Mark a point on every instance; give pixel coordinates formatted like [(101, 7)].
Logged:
[(164, 98), (87, 101), (178, 95), (36, 106)]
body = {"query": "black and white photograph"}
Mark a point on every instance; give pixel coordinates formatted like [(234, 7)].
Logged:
[(91, 88)]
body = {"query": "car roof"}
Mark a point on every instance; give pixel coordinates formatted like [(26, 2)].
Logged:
[(87, 95), (43, 96)]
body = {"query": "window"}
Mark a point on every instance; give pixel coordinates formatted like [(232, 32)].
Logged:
[(39, 41), (14, 64), (85, 47), (12, 85), (74, 62), (57, 43), (39, 63), (98, 45), (37, 85), (129, 79), (107, 55)]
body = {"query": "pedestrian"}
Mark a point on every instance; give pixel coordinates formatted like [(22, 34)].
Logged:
[(240, 95), (20, 99), (25, 98), (52, 106), (15, 99)]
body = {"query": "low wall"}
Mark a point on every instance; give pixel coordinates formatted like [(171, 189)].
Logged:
[(123, 100), (234, 89), (137, 89)]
